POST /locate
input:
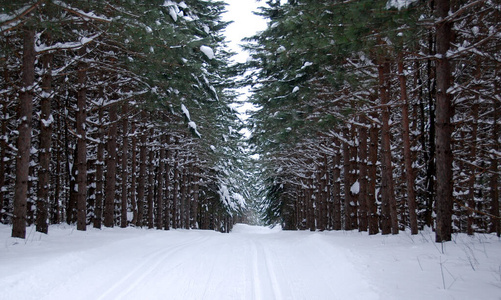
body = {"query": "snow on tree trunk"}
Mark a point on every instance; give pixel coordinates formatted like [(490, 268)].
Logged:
[(372, 208), (46, 120), (111, 169), (98, 210), (362, 165)]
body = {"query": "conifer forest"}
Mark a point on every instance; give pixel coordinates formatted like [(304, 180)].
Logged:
[(372, 115)]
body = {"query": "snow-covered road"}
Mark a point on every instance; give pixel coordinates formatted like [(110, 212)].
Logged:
[(249, 263)]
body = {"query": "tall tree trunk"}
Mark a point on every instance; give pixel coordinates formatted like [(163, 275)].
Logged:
[(349, 204), (186, 197), (472, 168), (312, 203), (409, 172), (362, 197), (372, 175), (167, 186), (98, 212), (336, 190), (160, 184), (3, 152), (194, 206), (175, 216), (495, 220), (389, 204), (24, 139), (354, 177), (189, 204), (151, 184), (133, 167), (81, 116), (46, 121), (324, 181), (431, 168), (318, 196), (56, 214), (111, 169), (125, 163), (141, 188), (443, 125)]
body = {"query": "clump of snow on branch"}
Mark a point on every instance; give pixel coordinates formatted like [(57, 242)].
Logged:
[(193, 126), (186, 112), (399, 4), (207, 51)]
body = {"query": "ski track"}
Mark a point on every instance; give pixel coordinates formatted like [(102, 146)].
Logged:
[(182, 264), (153, 261)]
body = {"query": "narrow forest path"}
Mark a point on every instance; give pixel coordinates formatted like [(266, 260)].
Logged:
[(249, 263)]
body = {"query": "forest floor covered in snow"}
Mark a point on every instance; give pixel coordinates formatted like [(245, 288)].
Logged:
[(248, 263)]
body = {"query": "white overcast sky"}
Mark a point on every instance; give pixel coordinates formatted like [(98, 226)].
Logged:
[(245, 23)]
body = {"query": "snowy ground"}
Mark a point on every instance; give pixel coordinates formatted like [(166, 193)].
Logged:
[(249, 263)]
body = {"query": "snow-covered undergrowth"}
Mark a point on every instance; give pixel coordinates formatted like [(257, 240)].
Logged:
[(249, 263)]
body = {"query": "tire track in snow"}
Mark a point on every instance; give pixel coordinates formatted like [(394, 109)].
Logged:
[(127, 283)]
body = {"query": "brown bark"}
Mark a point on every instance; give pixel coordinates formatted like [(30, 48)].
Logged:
[(185, 198), (57, 214), (141, 188), (409, 172), (125, 163), (336, 190), (189, 194), (348, 202), (372, 175), (3, 152), (389, 204), (111, 172), (194, 223), (46, 121), (471, 167), (167, 211), (98, 211), (495, 220), (175, 215), (160, 185), (151, 184), (431, 169), (24, 139), (323, 182), (81, 116), (444, 127), (311, 203), (133, 167), (362, 197)]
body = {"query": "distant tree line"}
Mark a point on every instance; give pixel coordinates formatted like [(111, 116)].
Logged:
[(107, 115), (379, 116)]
